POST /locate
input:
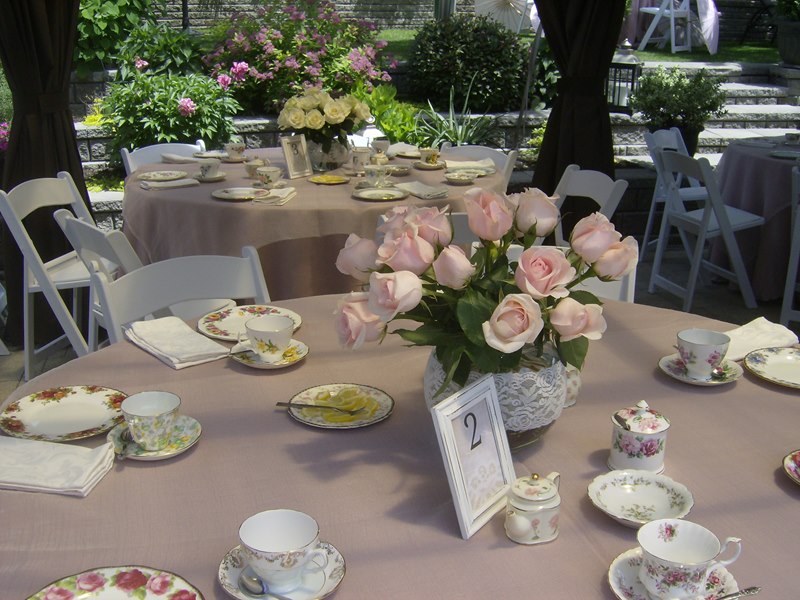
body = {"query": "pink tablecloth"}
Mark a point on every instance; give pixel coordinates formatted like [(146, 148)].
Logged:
[(380, 494)]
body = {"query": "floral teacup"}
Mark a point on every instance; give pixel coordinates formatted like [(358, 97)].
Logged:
[(151, 418), (701, 350)]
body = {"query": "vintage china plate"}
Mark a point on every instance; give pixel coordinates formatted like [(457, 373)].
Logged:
[(380, 194), (791, 464), (308, 396), (399, 170), (185, 434), (296, 352), (239, 194), (211, 154), (408, 154), (228, 324), (64, 413), (218, 177), (634, 497), (228, 159), (623, 577), (328, 179), (315, 584), (162, 175), (778, 365), (424, 166), (479, 171), (120, 583), (790, 154), (673, 366), (460, 178)]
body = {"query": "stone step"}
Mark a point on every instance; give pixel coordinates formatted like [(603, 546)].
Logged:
[(757, 93), (747, 116)]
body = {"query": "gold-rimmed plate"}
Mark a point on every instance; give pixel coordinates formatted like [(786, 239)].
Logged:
[(328, 179), (777, 365), (239, 194), (380, 194), (162, 175), (377, 404)]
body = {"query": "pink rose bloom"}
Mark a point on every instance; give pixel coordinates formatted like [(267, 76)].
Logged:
[(592, 236), (619, 260), (58, 593), (355, 323), (392, 293), (516, 321), (395, 222), (224, 81), (407, 252), (357, 257), (159, 583), (432, 224), (650, 447), (89, 582), (186, 107), (489, 215), (452, 268), (544, 271), (535, 208), (629, 445), (572, 319), (183, 595), (128, 581)]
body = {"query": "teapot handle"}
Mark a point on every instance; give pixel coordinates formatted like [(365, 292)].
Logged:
[(555, 477)]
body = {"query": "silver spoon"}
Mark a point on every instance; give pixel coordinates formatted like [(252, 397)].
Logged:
[(253, 585), (741, 593), (622, 422), (346, 411)]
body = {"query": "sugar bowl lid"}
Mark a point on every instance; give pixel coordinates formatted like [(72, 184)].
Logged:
[(641, 419), (536, 488)]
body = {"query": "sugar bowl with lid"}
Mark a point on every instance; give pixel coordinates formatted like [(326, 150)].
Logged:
[(638, 439), (532, 509)]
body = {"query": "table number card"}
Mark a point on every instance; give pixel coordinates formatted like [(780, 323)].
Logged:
[(475, 451), (295, 150)]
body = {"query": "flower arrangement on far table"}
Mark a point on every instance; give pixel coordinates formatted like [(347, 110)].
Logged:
[(487, 311)]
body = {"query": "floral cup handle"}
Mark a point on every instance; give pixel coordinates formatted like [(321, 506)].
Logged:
[(723, 563)]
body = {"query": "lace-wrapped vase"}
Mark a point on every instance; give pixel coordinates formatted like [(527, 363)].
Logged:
[(531, 398)]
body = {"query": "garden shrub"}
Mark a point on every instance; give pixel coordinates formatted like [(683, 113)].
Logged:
[(153, 109), (6, 104), (268, 57), (159, 48), (396, 119)]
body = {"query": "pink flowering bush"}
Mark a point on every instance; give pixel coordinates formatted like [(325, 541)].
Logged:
[(485, 310), (285, 48)]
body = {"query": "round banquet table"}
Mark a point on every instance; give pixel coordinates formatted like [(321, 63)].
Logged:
[(380, 493), (297, 242), (753, 180)]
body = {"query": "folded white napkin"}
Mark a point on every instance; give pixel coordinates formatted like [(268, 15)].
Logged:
[(167, 157), (484, 163), (758, 333), (176, 183), (172, 341), (401, 147), (277, 196), (421, 190), (34, 466)]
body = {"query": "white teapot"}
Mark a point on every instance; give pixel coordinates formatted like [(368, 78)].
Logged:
[(532, 511)]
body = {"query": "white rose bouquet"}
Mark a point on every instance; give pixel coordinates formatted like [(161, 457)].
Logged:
[(480, 311), (323, 118)]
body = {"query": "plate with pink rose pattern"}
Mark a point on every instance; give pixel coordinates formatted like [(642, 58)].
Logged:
[(673, 366), (228, 324), (791, 464), (120, 583), (63, 413)]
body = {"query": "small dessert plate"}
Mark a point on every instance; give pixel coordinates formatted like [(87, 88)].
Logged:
[(623, 577), (185, 434), (328, 179), (162, 175), (778, 365), (634, 497), (230, 159), (296, 352), (791, 464), (378, 405), (239, 194), (673, 366), (315, 584), (424, 166), (460, 177), (380, 194), (218, 177)]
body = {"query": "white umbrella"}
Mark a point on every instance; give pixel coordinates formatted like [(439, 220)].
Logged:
[(514, 14)]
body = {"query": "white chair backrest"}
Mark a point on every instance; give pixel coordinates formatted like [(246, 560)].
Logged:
[(503, 162), (152, 287), (676, 165), (133, 159), (585, 183), (666, 139)]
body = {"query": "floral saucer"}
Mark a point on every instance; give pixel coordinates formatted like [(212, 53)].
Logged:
[(791, 464), (623, 577), (426, 166), (673, 366), (220, 176), (185, 434), (243, 354), (228, 324), (116, 583), (316, 584), (162, 175)]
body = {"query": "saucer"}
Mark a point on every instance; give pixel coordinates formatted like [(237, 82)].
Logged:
[(296, 352), (791, 464), (673, 366), (425, 166), (218, 177), (162, 175), (230, 159), (623, 577), (185, 434), (315, 584)]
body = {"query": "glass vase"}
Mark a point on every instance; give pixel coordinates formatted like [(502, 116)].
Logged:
[(334, 158)]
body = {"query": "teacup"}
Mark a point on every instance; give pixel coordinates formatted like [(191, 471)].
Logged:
[(269, 176), (702, 350), (429, 155), (151, 418), (251, 165), (281, 545), (235, 150), (375, 175), (678, 556), (209, 167), (269, 336), (381, 145), (360, 158)]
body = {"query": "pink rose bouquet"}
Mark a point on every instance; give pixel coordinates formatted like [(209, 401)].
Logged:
[(485, 311)]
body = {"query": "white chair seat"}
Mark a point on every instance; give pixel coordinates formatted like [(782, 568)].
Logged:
[(739, 219)]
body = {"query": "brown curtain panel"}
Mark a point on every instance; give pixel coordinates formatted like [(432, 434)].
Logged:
[(582, 35), (37, 39)]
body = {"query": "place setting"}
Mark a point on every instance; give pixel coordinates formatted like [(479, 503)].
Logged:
[(267, 343), (340, 406), (700, 359)]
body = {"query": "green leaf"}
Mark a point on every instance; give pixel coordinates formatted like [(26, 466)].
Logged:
[(584, 297), (472, 310), (574, 351)]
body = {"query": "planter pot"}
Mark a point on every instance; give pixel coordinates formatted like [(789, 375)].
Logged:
[(531, 399), (334, 158), (789, 41)]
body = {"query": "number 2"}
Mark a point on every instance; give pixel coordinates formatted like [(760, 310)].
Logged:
[(475, 442)]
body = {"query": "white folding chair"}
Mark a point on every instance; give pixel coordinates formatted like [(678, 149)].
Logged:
[(111, 253), (65, 272), (667, 139), (714, 220), (585, 183), (788, 312), (503, 162), (136, 295), (679, 14), (133, 159)]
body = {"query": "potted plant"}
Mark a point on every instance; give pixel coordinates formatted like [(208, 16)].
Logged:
[(671, 98), (788, 24)]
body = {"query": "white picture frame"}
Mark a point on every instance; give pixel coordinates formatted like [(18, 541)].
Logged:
[(475, 451), (295, 151)]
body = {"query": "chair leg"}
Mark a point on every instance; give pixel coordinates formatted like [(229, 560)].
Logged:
[(738, 268), (697, 260), (648, 230), (663, 232), (29, 350), (788, 313)]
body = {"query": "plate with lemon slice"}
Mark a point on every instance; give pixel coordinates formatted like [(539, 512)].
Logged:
[(373, 405), (329, 179)]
